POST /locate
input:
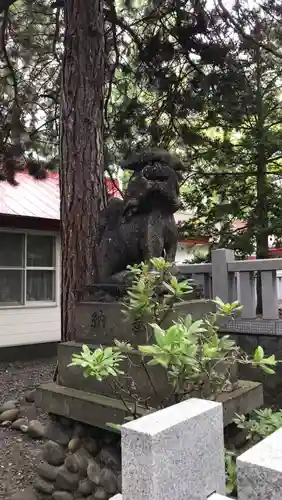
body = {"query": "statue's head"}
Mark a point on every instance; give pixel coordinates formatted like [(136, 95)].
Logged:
[(154, 183)]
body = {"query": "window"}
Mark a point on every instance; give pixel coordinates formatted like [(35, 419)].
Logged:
[(27, 268)]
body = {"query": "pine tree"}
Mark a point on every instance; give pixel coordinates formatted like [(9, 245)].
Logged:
[(245, 155), (81, 179), (29, 85)]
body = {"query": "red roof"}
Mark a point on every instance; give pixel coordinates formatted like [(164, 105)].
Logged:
[(31, 198), (37, 198)]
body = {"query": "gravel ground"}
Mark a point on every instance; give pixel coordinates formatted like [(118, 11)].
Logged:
[(19, 454)]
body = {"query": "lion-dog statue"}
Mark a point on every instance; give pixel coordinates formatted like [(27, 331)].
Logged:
[(142, 225)]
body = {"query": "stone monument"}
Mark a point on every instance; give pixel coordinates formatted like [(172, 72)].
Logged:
[(133, 230), (140, 226)]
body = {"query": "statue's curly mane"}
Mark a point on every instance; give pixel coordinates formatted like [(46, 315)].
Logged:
[(137, 161)]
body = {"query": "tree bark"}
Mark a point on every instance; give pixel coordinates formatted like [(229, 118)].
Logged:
[(81, 179)]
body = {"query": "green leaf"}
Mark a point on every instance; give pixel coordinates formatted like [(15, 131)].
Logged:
[(116, 427), (271, 360), (108, 351), (196, 327), (159, 360), (149, 350), (210, 352), (169, 288), (219, 302), (268, 370), (159, 334), (123, 346), (86, 350), (259, 354)]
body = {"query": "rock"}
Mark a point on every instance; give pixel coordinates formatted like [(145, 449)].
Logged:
[(55, 433), (53, 453), (62, 495), (240, 439), (27, 494), (24, 428), (47, 471), (43, 486), (91, 445), (74, 444), (66, 480), (72, 463), (108, 480), (85, 487), (9, 415), (100, 494), (35, 429), (78, 462), (30, 396), (83, 458), (18, 423), (9, 405), (94, 472), (7, 423), (110, 456)]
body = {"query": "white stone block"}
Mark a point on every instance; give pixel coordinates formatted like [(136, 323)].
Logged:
[(175, 453), (259, 470)]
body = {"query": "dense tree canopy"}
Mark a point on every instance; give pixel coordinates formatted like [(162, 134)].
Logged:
[(200, 80), (244, 156)]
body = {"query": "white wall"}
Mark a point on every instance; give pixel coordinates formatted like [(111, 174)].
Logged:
[(22, 325), (188, 251)]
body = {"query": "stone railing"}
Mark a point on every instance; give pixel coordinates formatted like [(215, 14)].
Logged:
[(178, 453), (232, 279)]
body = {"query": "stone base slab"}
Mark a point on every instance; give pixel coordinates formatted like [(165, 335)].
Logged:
[(85, 407), (98, 410), (243, 400)]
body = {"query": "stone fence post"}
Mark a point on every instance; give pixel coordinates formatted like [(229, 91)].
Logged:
[(175, 453), (222, 287), (178, 453), (259, 470)]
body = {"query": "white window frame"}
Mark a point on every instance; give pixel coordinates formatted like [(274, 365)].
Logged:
[(34, 304)]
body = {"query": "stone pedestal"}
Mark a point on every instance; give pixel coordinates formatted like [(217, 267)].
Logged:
[(150, 382), (97, 403)]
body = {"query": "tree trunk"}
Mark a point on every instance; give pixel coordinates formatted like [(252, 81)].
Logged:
[(81, 179)]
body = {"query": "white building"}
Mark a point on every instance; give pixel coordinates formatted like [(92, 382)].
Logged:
[(29, 261)]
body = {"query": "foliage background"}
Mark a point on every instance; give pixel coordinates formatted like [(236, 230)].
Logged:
[(190, 76)]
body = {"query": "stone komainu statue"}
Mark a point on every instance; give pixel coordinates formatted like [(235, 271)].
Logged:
[(142, 225)]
